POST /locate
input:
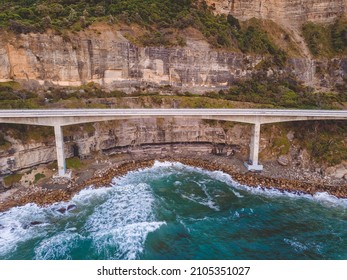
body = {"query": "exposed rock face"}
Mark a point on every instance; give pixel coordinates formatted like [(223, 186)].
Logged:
[(107, 58), (110, 60), (338, 171), (287, 12), (130, 136), (28, 155)]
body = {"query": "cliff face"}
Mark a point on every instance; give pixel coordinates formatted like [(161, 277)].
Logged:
[(161, 137), (112, 61), (287, 12), (125, 136), (104, 56)]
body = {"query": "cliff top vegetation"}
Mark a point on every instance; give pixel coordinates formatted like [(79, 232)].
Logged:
[(160, 18)]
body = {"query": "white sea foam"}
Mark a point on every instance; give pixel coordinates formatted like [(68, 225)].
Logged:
[(16, 226), (236, 214), (122, 215), (208, 201), (301, 247), (90, 195), (237, 194), (322, 198), (128, 240), (123, 221), (298, 246), (58, 246), (167, 164)]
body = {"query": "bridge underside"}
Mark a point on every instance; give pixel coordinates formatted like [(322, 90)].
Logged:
[(59, 122)]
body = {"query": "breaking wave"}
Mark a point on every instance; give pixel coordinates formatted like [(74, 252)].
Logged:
[(172, 210)]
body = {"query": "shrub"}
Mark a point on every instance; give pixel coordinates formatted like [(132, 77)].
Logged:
[(74, 163), (12, 179), (326, 40), (38, 177)]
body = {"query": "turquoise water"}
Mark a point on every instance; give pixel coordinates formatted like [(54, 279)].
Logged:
[(172, 211)]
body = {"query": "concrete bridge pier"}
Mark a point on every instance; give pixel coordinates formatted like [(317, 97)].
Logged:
[(253, 163), (59, 144)]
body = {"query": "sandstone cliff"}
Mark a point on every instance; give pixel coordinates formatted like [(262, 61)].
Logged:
[(125, 136), (103, 55), (175, 137), (289, 14), (286, 12)]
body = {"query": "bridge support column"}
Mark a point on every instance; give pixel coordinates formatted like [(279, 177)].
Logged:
[(59, 144), (253, 164)]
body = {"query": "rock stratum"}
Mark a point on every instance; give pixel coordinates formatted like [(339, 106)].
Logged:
[(105, 56), (286, 12)]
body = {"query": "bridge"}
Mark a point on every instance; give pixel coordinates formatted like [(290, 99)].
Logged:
[(58, 118)]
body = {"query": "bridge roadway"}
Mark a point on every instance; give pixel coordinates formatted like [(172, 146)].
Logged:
[(63, 117)]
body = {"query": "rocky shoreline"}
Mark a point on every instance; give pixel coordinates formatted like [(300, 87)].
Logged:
[(102, 177)]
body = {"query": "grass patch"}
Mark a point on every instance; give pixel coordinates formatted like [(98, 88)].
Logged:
[(38, 177), (74, 163), (12, 179), (281, 144), (12, 85), (89, 128)]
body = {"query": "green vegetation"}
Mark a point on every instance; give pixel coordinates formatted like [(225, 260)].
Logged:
[(198, 102), (12, 179), (12, 96), (325, 140), (255, 40), (26, 133), (326, 40), (39, 176), (160, 20), (281, 144), (74, 163), (11, 85), (4, 144), (283, 92), (260, 90)]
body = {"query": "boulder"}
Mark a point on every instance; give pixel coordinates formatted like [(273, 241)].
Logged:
[(62, 210), (71, 207), (35, 223), (283, 160)]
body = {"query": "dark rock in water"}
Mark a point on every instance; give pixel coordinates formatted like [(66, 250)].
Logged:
[(61, 210), (35, 223), (1, 226), (71, 207)]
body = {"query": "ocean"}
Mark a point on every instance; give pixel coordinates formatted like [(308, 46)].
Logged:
[(173, 211)]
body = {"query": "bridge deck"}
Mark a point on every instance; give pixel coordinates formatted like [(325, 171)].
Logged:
[(62, 117), (172, 112)]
